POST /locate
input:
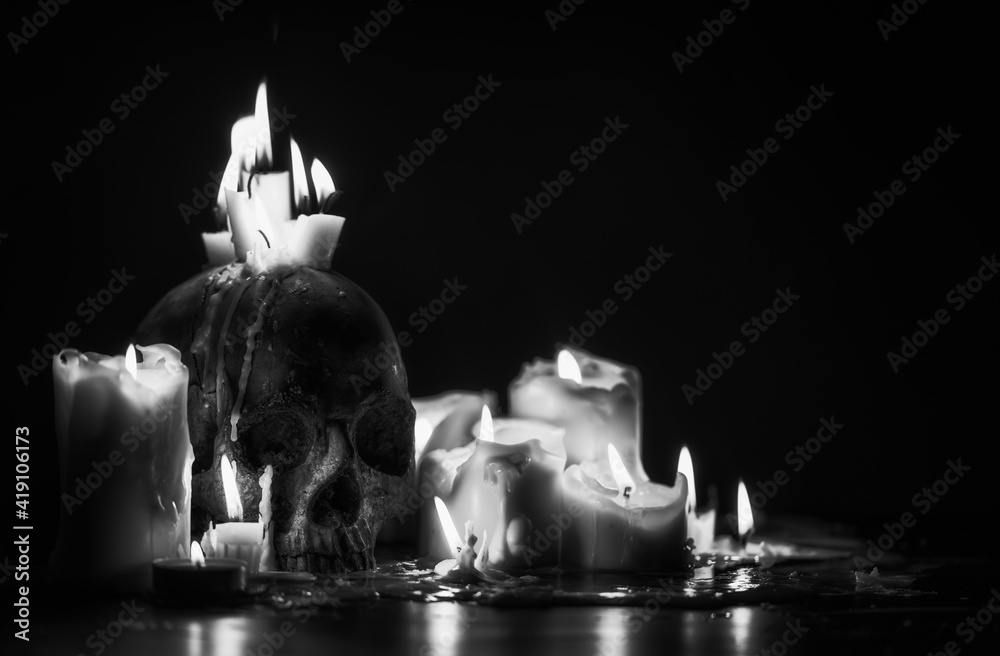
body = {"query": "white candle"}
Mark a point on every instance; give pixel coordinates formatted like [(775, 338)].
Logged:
[(270, 214), (603, 408), (622, 524), (243, 220), (509, 482), (236, 538), (125, 465), (317, 235)]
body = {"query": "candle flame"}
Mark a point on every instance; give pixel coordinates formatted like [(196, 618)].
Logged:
[(130, 361), (568, 368), (263, 128), (422, 431), (197, 555), (623, 480), (300, 184), (234, 505), (322, 181), (686, 466), (448, 526), (744, 511), (486, 425)]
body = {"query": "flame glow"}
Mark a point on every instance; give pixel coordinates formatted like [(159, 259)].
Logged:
[(448, 526), (300, 184), (130, 361), (622, 478), (744, 511), (234, 505), (263, 124), (486, 425), (197, 555), (686, 466), (568, 368), (322, 181)]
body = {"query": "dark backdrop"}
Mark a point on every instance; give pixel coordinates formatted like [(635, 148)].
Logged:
[(655, 185)]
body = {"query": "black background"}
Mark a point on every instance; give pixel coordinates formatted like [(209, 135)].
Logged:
[(655, 185)]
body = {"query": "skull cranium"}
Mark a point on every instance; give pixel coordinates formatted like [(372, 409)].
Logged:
[(295, 368)]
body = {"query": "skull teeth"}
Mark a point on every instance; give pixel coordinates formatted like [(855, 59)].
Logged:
[(320, 550)]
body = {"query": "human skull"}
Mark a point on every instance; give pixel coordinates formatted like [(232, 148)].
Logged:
[(295, 368)]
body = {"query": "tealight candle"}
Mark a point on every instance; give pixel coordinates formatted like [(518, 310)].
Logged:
[(597, 401), (508, 482), (622, 524), (125, 464), (197, 578)]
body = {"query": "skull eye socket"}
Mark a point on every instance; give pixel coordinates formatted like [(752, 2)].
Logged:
[(383, 435), (276, 436)]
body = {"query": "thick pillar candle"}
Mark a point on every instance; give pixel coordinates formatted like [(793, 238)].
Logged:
[(508, 487), (632, 528), (125, 465)]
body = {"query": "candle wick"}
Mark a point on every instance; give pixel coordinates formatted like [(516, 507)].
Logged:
[(265, 238), (253, 172)]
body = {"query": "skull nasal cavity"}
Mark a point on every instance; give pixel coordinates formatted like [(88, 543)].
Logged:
[(339, 503)]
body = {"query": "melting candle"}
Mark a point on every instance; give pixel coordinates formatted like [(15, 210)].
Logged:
[(619, 523), (125, 464), (261, 205), (236, 538), (508, 479), (597, 401)]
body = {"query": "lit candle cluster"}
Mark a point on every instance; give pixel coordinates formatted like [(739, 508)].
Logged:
[(559, 483), (267, 211)]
